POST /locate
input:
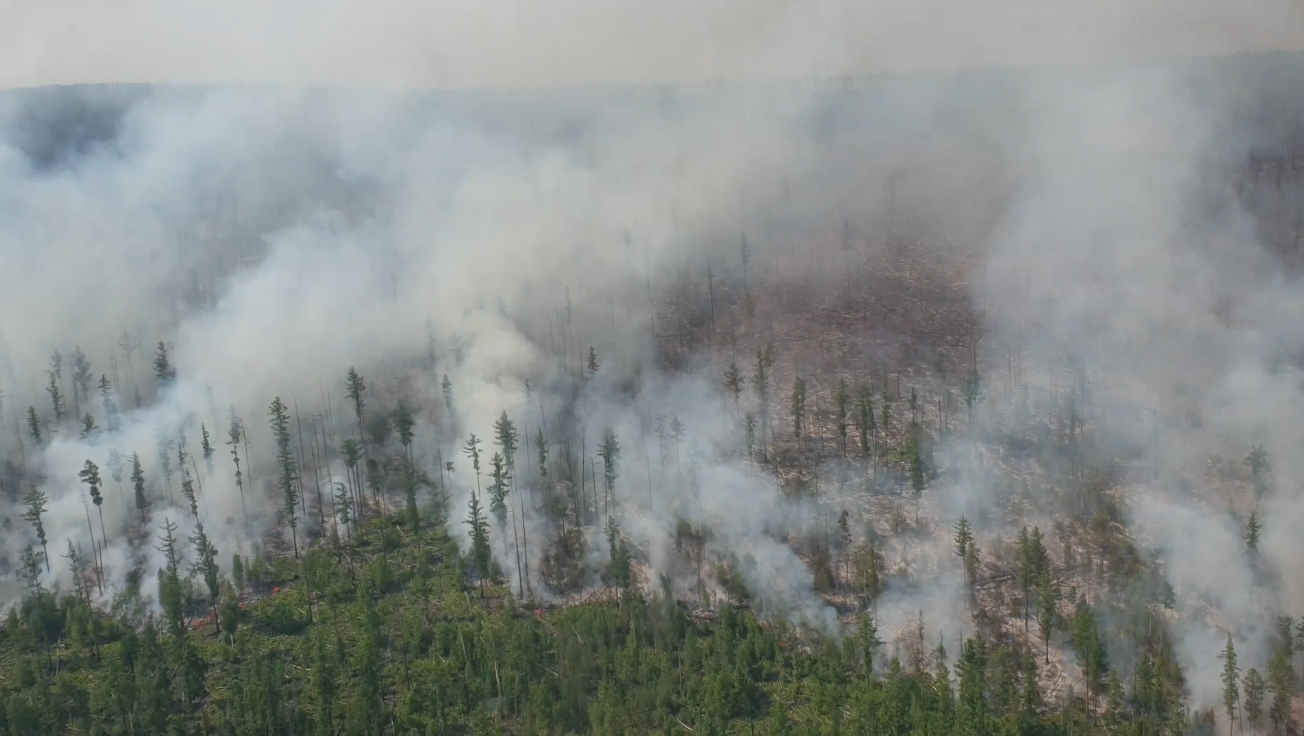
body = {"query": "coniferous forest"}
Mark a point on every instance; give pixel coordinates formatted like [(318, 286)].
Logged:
[(916, 403)]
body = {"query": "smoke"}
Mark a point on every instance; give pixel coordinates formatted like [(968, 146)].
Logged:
[(396, 43), (1131, 266), (274, 237), (271, 241)]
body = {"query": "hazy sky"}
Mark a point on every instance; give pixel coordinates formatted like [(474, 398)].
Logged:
[(548, 42)]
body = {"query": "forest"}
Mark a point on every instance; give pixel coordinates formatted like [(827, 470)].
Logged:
[(917, 403)]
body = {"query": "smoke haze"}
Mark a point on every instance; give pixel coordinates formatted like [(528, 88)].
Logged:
[(1098, 219), (522, 44)]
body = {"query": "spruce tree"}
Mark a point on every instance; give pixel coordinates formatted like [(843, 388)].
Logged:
[(963, 538), (1231, 680), (237, 572), (867, 641), (1252, 529), (206, 445), (1037, 557), (498, 490), (56, 366), (34, 426), (205, 566), (90, 475), (1030, 700), (351, 450), (324, 680), (56, 397), (868, 565), (29, 564), (593, 362), (82, 378), (289, 466), (88, 430), (344, 509), (138, 484), (368, 671), (1281, 681), (1088, 647), (481, 557), (1253, 689), (405, 423), (171, 597), (164, 372), (973, 718), (618, 558), (354, 386), (188, 488), (78, 572), (35, 501), (447, 387), (508, 440), (112, 420), (472, 450), (55, 386), (234, 435), (541, 451), (609, 451), (1047, 604)]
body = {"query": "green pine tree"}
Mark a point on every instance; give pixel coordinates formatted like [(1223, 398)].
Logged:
[(34, 426), (206, 446), (1253, 688), (205, 566), (481, 556), (1252, 529), (90, 475), (1047, 605), (138, 485), (798, 405), (35, 501), (112, 419), (288, 464), (1231, 683), (56, 397)]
